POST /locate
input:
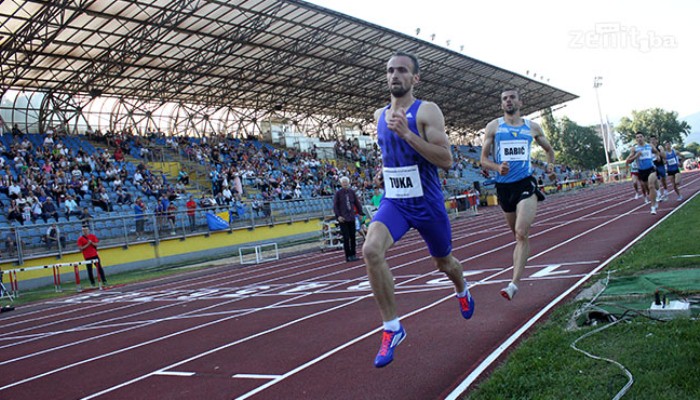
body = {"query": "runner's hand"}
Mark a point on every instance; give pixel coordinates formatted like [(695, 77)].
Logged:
[(504, 168), (398, 122), (550, 172)]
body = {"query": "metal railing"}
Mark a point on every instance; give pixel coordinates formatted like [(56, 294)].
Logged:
[(22, 242)]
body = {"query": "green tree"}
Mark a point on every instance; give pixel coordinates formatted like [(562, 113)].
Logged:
[(693, 147), (581, 146), (574, 145), (654, 121)]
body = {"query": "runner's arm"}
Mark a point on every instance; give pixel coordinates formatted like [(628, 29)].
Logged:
[(541, 140), (486, 163), (432, 143)]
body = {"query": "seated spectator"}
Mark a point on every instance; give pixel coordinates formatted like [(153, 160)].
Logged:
[(14, 190), (183, 177), (85, 216), (36, 209), (53, 237), (102, 200), (123, 197), (48, 141), (49, 210), (138, 178), (71, 207), (26, 213), (118, 155)]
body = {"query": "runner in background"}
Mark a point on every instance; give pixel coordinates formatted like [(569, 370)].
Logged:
[(673, 169)]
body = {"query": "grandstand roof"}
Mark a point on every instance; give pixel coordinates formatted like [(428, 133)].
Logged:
[(261, 54)]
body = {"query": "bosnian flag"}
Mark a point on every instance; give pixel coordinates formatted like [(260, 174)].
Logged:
[(215, 222)]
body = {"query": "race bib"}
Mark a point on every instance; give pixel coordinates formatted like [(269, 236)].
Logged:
[(402, 182), (514, 150), (671, 161), (646, 154)]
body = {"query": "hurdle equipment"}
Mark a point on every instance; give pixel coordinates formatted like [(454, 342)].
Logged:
[(14, 280), (259, 253)]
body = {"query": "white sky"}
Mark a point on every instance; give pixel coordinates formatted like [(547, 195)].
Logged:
[(648, 52)]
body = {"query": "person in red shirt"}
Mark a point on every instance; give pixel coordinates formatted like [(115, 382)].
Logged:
[(118, 154), (191, 207), (87, 243)]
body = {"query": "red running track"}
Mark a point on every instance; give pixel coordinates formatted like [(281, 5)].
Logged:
[(306, 326)]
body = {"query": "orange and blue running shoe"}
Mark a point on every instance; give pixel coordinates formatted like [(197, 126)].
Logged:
[(390, 339)]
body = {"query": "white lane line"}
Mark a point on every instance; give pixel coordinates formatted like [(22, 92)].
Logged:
[(462, 387), (256, 376), (174, 373), (214, 350)]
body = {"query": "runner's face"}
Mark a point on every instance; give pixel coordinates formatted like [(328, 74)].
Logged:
[(640, 139), (510, 102), (400, 76)]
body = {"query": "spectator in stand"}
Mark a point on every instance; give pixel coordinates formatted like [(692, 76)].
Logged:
[(139, 211), (87, 243), (191, 209), (14, 190), (49, 210), (71, 207), (11, 242), (53, 237), (138, 178), (26, 213), (48, 141), (183, 177), (85, 217), (123, 197), (376, 197), (171, 215), (36, 209), (118, 155), (101, 199)]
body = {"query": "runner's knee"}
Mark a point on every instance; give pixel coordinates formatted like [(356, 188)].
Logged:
[(372, 253), (521, 234)]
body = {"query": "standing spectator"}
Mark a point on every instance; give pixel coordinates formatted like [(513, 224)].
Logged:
[(191, 207), (11, 242), (345, 203), (139, 218), (170, 214), (87, 243)]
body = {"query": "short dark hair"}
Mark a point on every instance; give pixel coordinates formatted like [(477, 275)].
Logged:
[(511, 90), (414, 59)]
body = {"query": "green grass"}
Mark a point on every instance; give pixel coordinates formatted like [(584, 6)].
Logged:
[(663, 357)]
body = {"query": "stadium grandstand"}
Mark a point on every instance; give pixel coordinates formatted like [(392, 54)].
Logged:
[(251, 109)]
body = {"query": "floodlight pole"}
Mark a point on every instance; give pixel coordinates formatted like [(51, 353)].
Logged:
[(598, 82)]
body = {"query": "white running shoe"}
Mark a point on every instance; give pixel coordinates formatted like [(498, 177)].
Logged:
[(646, 200), (653, 210), (509, 291), (636, 196), (680, 198)]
